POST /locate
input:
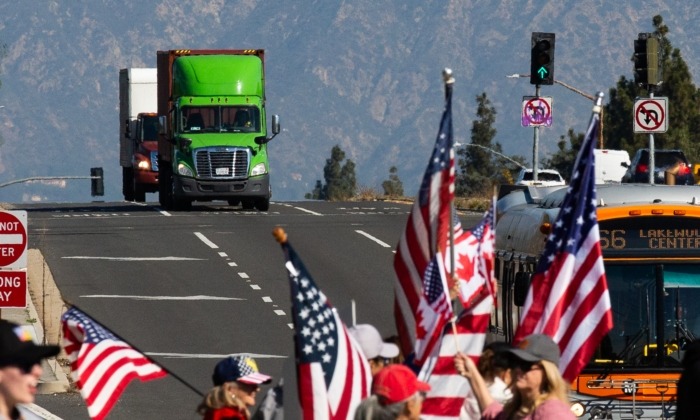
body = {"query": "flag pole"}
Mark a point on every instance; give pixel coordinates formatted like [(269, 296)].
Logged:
[(449, 82), (168, 371)]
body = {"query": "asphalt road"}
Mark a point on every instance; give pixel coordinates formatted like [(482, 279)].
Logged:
[(189, 288)]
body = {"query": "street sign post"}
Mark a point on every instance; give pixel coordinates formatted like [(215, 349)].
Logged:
[(536, 111), (650, 115), (13, 240)]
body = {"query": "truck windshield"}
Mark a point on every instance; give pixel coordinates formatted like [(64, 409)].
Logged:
[(634, 292), (149, 127), (220, 119)]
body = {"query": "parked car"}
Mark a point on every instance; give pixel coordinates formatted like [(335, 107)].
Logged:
[(673, 161), (545, 178)]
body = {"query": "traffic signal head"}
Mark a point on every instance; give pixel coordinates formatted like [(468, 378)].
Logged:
[(646, 60), (97, 185), (542, 58)]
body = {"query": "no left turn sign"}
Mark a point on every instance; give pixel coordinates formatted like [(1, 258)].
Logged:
[(13, 240), (650, 115)]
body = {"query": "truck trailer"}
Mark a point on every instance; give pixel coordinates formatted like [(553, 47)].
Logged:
[(138, 132), (212, 142)]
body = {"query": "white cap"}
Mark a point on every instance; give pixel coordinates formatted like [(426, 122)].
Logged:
[(371, 342)]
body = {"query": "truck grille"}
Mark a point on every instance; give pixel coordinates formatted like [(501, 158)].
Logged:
[(222, 163)]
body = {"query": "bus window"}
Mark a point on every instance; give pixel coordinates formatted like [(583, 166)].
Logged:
[(633, 339)]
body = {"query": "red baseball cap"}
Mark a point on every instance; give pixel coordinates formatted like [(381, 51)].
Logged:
[(397, 383)]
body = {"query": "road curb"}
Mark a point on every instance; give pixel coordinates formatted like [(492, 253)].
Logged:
[(45, 308)]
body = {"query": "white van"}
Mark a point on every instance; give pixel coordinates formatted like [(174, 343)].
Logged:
[(610, 165)]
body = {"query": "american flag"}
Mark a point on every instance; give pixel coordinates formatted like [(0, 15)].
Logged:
[(474, 262), (568, 298), (422, 303), (332, 373), (102, 364), (445, 400)]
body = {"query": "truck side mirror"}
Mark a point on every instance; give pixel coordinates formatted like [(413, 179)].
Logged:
[(275, 124), (161, 125), (520, 287), (275, 131)]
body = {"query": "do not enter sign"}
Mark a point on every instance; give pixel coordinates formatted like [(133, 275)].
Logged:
[(13, 239)]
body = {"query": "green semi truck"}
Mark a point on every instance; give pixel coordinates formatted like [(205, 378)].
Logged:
[(212, 143)]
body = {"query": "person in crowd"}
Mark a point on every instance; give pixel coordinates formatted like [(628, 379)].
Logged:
[(494, 367), (378, 352), (689, 385), (396, 394), (236, 383), (20, 367), (539, 391)]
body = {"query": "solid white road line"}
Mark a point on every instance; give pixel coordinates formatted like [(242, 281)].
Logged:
[(204, 239), (135, 297), (308, 211), (367, 235), (85, 257)]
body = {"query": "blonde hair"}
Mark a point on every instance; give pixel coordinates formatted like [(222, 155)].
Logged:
[(222, 396), (553, 387)]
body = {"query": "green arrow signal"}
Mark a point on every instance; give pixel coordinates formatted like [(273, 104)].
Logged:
[(542, 72)]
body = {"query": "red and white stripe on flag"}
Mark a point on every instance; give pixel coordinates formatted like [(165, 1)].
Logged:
[(445, 400)]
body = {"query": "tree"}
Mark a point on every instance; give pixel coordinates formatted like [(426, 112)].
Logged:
[(341, 183), (393, 186), (317, 193), (683, 97), (478, 167)]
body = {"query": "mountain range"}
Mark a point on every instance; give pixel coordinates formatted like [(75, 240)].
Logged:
[(365, 75)]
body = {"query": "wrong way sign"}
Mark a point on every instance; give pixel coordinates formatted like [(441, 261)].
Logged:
[(13, 240), (650, 115)]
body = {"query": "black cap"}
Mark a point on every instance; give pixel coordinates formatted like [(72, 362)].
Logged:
[(17, 346)]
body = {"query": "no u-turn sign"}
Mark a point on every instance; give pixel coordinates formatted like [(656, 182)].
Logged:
[(650, 115)]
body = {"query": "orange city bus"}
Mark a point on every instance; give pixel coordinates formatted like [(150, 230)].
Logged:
[(650, 238)]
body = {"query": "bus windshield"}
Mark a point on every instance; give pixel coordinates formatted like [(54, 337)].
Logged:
[(635, 304)]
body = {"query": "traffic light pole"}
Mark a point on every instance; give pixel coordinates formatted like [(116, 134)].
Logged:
[(535, 143)]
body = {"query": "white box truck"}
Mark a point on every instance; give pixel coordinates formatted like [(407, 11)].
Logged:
[(610, 165), (138, 132)]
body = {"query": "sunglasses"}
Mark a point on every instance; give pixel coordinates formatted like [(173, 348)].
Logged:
[(524, 366)]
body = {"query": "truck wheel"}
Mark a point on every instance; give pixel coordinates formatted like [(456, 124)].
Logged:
[(234, 202), (128, 183), (139, 193), (262, 204), (247, 204)]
